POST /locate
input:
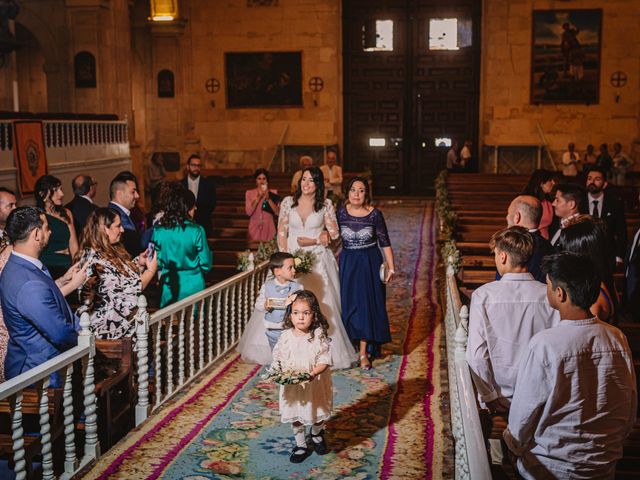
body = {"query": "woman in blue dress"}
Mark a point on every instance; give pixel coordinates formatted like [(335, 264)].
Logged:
[(362, 291)]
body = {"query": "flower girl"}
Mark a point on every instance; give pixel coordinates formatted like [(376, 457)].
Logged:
[(303, 354)]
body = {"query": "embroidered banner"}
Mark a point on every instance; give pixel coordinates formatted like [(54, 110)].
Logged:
[(30, 155)]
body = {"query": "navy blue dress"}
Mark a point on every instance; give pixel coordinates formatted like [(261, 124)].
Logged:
[(363, 295)]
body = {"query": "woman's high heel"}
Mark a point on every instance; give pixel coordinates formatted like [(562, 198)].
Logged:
[(366, 366)]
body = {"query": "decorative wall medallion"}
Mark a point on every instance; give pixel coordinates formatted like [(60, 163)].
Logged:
[(316, 84), (618, 79), (212, 85)]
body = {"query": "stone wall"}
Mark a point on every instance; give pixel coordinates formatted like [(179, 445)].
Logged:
[(508, 117)]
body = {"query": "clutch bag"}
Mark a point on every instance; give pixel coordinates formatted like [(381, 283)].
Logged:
[(276, 303), (384, 271)]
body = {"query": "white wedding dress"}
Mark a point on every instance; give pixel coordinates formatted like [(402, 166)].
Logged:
[(323, 281)]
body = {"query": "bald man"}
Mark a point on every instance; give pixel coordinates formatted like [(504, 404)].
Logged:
[(84, 190), (526, 211)]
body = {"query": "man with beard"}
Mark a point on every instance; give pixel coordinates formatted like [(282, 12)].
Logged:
[(570, 201), (609, 208)]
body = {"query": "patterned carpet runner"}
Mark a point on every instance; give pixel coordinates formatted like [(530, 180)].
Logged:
[(387, 422)]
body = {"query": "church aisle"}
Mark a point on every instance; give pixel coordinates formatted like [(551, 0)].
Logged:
[(387, 422)]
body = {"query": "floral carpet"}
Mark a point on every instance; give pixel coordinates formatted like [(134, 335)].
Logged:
[(387, 422)]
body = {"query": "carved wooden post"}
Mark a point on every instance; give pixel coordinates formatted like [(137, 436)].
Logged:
[(142, 353), (192, 347), (210, 323), (181, 349), (462, 332), (157, 362), (70, 460), (201, 320), (225, 318), (86, 339), (218, 324), (169, 355), (45, 430), (17, 432)]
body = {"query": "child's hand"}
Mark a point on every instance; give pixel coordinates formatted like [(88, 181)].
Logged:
[(290, 299)]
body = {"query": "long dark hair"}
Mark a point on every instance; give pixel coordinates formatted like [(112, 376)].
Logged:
[(534, 186), (318, 180), (176, 208), (44, 188), (319, 320)]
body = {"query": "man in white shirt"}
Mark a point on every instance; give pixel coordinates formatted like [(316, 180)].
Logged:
[(570, 201), (465, 155), (570, 162), (7, 205), (332, 173), (576, 398), (503, 316)]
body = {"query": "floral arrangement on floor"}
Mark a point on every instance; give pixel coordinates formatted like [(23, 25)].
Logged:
[(304, 260), (285, 377), (449, 253)]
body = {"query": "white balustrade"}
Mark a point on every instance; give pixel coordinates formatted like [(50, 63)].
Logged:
[(219, 313), (14, 391)]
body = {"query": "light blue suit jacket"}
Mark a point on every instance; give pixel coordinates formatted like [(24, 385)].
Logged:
[(40, 322)]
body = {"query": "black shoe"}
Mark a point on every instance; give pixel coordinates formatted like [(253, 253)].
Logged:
[(299, 454), (319, 446)]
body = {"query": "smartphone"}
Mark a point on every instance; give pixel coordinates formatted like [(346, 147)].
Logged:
[(151, 248)]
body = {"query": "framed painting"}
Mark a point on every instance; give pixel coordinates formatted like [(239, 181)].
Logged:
[(263, 79), (30, 155), (565, 56)]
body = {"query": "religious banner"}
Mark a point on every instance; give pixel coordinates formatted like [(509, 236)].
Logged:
[(565, 56), (30, 155)]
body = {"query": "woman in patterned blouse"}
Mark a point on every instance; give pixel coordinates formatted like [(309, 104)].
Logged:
[(114, 281)]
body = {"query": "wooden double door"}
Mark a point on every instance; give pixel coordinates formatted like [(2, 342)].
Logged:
[(411, 86)]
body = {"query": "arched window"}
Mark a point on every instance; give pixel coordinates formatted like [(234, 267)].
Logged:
[(166, 84), (84, 65)]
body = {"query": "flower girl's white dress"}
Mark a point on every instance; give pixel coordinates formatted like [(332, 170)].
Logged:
[(323, 281)]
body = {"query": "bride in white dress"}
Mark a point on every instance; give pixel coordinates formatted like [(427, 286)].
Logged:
[(301, 225)]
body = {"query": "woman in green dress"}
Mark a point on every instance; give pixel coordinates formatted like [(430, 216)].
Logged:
[(183, 252), (63, 242)]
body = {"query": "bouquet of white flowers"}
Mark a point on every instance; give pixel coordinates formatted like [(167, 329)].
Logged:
[(276, 374), (304, 260)]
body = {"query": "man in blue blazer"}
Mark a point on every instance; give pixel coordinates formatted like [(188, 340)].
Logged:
[(123, 192), (40, 323)]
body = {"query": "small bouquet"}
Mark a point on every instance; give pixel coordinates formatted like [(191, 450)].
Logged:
[(304, 260), (265, 250), (244, 261), (286, 377)]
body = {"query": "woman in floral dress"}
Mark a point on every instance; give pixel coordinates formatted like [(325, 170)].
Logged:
[(114, 281)]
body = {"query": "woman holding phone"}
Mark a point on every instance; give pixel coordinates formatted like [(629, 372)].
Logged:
[(262, 205), (114, 281), (181, 244)]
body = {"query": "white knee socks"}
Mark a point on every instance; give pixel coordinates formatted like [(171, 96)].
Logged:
[(299, 434)]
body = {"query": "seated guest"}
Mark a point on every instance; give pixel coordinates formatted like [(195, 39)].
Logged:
[(40, 323), (305, 162), (123, 192), (84, 189), (114, 282), (7, 205), (632, 278), (262, 205), (526, 211), (332, 173), (503, 316), (63, 243), (137, 214), (587, 236), (575, 400), (541, 185), (570, 162), (569, 202), (610, 208), (183, 252), (589, 158)]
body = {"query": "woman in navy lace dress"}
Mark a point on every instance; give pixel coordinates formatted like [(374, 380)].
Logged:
[(362, 292)]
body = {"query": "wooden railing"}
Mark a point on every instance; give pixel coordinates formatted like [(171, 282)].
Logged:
[(14, 391), (177, 343)]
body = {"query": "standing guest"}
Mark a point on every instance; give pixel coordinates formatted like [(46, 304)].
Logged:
[(540, 186), (587, 236), (156, 174), (503, 316), (576, 399), (305, 162), (305, 347), (40, 323), (453, 160), (570, 201), (632, 278), (63, 244), (308, 222), (332, 173), (621, 164), (362, 292), (604, 160), (265, 325), (607, 206), (205, 192), (589, 159), (570, 162), (7, 205), (465, 155), (114, 282), (84, 191), (183, 252), (526, 211), (261, 205), (123, 192)]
